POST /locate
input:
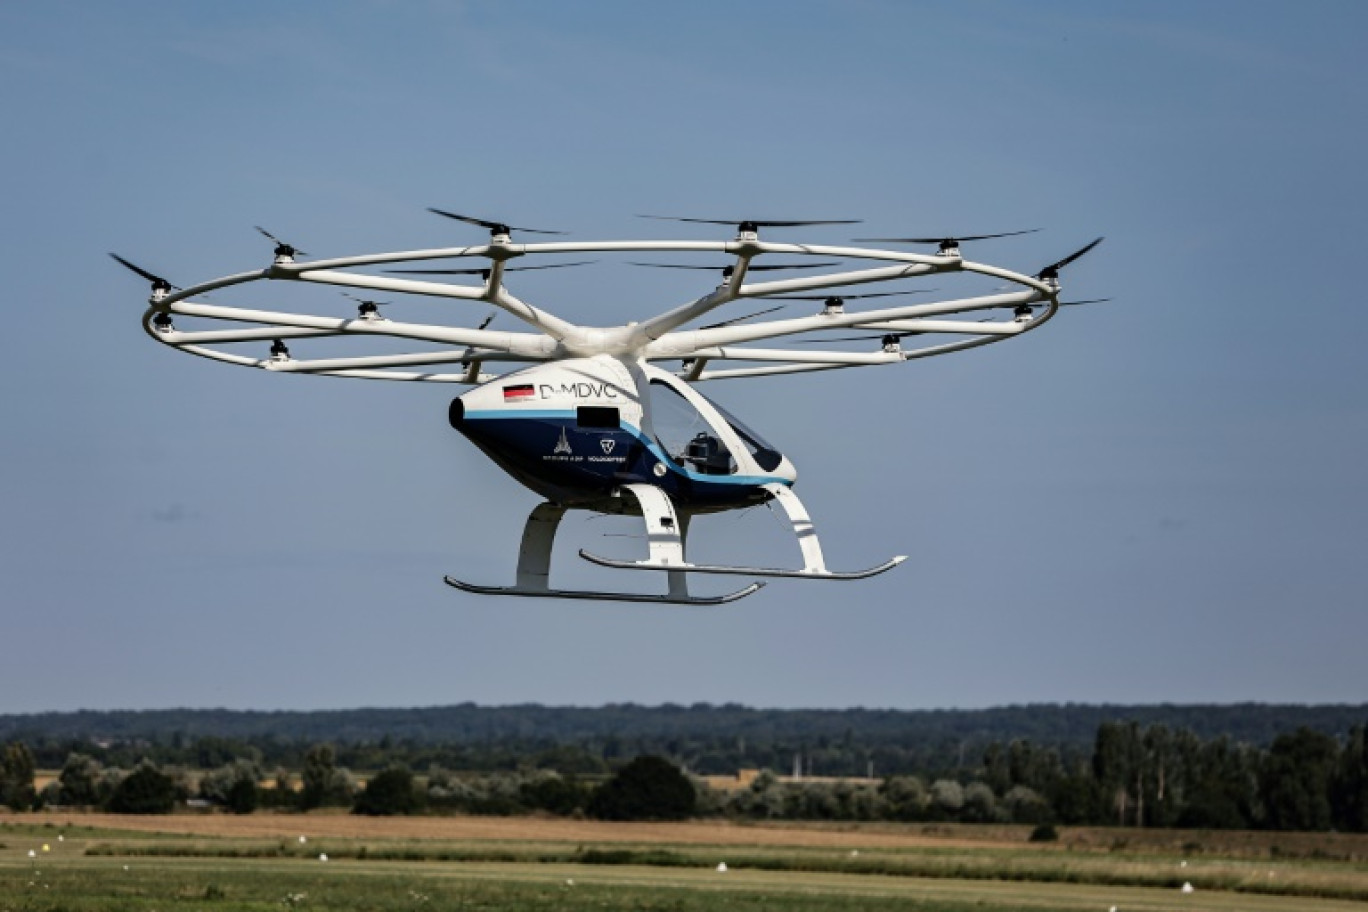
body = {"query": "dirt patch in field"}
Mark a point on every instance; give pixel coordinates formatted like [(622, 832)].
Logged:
[(522, 829)]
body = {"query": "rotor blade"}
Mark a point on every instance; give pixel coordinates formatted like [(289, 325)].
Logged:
[(346, 294), (469, 220), (843, 297), (1052, 270), (759, 223), (154, 279), (281, 245), (754, 268), (853, 338), (548, 266), (879, 336), (496, 227), (950, 239), (758, 313), (1061, 304), (481, 270)]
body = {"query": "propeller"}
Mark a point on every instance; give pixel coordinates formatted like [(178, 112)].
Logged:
[(347, 294), (754, 225), (946, 243), (483, 323), (1026, 310), (282, 249), (367, 310), (758, 313), (495, 228), (837, 299), (483, 271), (730, 269), (885, 338), (1052, 271), (1061, 303), (158, 283)]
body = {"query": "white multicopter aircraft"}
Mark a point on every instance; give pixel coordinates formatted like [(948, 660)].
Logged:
[(594, 424)]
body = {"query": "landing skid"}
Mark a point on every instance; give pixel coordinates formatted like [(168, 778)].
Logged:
[(534, 564), (743, 571), (591, 595), (665, 533), (672, 561)]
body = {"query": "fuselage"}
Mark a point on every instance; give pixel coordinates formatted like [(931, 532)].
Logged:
[(575, 431)]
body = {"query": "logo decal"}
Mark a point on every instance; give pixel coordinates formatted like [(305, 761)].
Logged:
[(564, 452), (580, 390), (516, 393)]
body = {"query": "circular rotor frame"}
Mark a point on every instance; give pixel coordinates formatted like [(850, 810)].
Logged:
[(716, 351)]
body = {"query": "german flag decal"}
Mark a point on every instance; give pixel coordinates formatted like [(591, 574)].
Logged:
[(518, 393)]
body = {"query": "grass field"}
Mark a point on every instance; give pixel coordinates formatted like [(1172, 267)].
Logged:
[(99, 863)]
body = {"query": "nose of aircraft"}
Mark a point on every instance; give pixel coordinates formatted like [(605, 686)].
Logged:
[(786, 470)]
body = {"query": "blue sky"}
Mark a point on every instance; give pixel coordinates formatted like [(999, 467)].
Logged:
[(1156, 499)]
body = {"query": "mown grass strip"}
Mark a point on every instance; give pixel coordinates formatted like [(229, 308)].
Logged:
[(1023, 868)]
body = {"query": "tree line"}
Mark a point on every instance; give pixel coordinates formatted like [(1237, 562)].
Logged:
[(1132, 775), (712, 738), (706, 739)]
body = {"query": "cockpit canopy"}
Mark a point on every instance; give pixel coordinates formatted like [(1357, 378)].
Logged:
[(688, 438)]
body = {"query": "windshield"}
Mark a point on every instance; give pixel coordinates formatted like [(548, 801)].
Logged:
[(687, 438), (766, 456), (685, 435)]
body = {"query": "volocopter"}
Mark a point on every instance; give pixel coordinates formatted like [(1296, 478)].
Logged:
[(586, 416)]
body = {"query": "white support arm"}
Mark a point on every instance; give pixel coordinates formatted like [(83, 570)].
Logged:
[(850, 359), (495, 295), (464, 379), (208, 337), (381, 361), (687, 344), (947, 348), (957, 327), (488, 251), (745, 250), (533, 345), (835, 280), (742, 372), (468, 377)]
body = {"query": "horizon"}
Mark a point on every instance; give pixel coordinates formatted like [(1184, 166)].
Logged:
[(706, 705)]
